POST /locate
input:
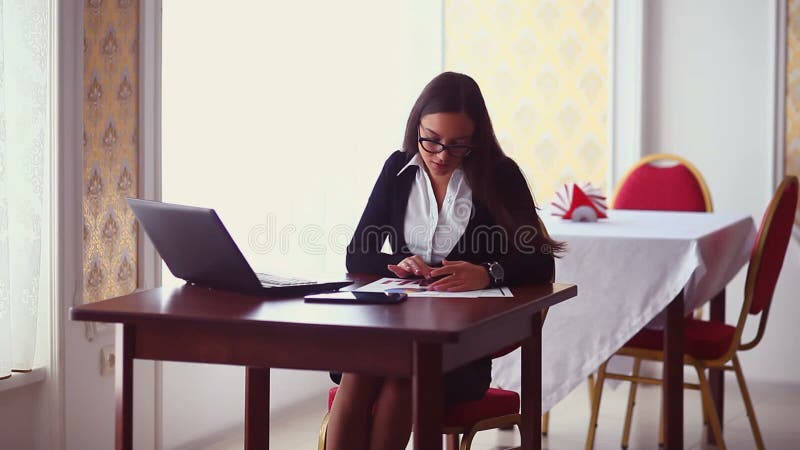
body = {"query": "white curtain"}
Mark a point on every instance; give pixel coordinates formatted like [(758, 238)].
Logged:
[(24, 177)]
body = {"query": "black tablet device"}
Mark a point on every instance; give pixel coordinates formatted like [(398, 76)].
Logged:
[(357, 297)]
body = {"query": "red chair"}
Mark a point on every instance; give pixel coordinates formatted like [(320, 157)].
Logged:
[(498, 409), (663, 182), (714, 344)]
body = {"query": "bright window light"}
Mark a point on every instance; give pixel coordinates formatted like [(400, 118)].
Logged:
[(280, 115)]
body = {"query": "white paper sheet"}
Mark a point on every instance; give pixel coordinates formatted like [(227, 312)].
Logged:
[(413, 288)]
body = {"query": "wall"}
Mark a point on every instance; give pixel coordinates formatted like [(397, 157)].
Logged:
[(17, 416), (110, 147), (89, 397), (707, 92), (708, 96), (544, 70), (201, 401)]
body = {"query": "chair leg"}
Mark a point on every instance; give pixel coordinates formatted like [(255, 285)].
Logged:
[(545, 423), (708, 406), (323, 431), (452, 442), (598, 393), (590, 385), (705, 414), (466, 441), (626, 431), (748, 404), (661, 420)]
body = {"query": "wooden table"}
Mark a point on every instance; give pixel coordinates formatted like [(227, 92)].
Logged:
[(672, 392), (421, 338)]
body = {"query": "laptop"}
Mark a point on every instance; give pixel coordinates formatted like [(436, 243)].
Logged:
[(197, 248)]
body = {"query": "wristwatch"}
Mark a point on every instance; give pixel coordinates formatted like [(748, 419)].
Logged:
[(496, 273)]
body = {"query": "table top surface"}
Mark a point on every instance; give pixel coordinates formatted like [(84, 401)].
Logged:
[(429, 317), (633, 224)]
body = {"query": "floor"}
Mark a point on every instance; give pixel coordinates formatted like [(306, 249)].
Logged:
[(777, 407)]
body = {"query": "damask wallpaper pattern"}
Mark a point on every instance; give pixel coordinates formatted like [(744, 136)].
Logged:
[(110, 147), (792, 108), (544, 69)]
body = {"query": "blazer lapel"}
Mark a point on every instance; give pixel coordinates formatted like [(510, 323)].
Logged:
[(399, 205)]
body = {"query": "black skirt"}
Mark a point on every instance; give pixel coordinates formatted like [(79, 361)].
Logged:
[(462, 384)]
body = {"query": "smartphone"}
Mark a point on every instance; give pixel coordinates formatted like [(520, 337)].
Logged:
[(356, 297)]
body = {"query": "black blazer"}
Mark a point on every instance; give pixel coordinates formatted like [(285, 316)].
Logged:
[(482, 241)]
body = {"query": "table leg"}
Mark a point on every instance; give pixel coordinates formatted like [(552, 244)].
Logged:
[(123, 386), (531, 427), (716, 377), (673, 375), (256, 408), (428, 397)]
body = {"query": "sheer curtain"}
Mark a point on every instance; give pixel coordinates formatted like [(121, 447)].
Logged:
[(24, 177)]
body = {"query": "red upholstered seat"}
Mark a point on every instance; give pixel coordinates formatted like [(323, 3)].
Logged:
[(670, 188), (702, 339), (495, 403)]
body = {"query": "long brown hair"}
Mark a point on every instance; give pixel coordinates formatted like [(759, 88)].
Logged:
[(452, 92)]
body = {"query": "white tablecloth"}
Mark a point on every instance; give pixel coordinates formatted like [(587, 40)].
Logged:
[(627, 268)]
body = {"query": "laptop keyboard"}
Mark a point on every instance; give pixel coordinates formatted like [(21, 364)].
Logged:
[(275, 280)]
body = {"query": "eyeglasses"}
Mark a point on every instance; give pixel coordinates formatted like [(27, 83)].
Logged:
[(433, 146)]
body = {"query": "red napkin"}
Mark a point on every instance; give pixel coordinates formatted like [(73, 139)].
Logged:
[(580, 204)]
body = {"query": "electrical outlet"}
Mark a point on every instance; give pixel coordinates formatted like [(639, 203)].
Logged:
[(107, 360)]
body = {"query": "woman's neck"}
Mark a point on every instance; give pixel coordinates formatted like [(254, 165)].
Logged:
[(439, 185)]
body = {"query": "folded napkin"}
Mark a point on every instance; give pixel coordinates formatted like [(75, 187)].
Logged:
[(584, 203)]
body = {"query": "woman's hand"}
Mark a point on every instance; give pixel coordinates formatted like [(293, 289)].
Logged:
[(460, 276), (413, 265)]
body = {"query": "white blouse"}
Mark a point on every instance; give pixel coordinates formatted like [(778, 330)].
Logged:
[(429, 233)]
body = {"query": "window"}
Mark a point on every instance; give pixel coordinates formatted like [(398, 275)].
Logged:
[(281, 118)]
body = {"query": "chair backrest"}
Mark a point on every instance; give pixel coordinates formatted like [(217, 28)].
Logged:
[(766, 261), (663, 182), (769, 250)]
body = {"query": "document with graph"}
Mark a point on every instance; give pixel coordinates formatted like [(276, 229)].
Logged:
[(419, 288)]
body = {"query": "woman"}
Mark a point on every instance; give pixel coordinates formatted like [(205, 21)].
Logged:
[(456, 210)]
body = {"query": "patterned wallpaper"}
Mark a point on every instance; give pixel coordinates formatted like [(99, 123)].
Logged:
[(110, 147), (543, 67), (792, 138)]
